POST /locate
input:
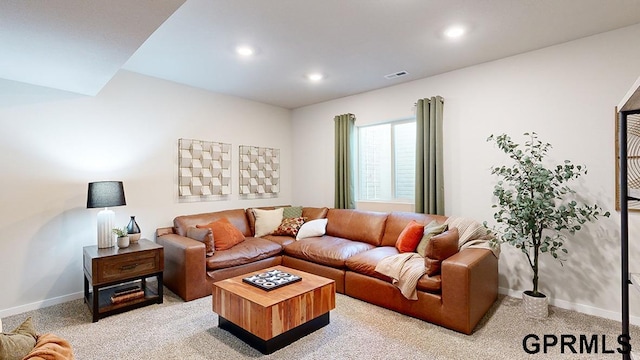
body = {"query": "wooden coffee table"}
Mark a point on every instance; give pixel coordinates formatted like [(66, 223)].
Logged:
[(271, 320)]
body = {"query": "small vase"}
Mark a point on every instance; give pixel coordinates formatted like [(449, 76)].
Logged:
[(123, 241), (134, 230), (535, 306)]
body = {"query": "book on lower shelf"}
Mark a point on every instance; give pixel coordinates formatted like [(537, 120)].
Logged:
[(126, 290), (127, 296)]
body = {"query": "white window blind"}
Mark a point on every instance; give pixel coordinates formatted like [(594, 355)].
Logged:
[(386, 161)]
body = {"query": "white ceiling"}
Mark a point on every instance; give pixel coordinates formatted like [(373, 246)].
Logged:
[(74, 45), (78, 45)]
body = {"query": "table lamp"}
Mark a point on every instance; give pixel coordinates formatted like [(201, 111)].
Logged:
[(103, 194)]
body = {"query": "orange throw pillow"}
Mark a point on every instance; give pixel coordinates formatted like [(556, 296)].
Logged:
[(225, 235), (410, 237)]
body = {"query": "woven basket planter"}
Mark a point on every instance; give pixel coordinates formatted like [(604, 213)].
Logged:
[(535, 306)]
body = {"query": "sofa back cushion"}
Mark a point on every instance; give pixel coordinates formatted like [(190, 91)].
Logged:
[(314, 213), (357, 225), (398, 220), (236, 217)]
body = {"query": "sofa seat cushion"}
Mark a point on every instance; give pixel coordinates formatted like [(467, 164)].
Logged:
[(365, 264), (432, 284), (280, 239), (250, 250), (326, 250)]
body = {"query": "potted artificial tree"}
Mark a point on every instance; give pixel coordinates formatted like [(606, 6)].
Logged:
[(536, 210)]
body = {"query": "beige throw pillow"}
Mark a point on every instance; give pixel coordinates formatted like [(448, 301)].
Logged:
[(432, 229), (267, 221)]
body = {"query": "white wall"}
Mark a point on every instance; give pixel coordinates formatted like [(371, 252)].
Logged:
[(567, 94), (53, 143)]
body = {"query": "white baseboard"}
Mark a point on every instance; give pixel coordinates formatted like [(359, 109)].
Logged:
[(40, 304), (585, 309)]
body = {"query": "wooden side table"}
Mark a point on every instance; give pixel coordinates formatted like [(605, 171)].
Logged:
[(112, 269)]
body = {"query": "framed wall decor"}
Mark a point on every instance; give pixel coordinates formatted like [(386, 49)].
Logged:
[(204, 170), (259, 172), (633, 161)]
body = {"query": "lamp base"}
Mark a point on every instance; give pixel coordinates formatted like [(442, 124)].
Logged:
[(106, 221)]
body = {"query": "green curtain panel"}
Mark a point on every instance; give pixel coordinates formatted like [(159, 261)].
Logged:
[(345, 161), (429, 159)]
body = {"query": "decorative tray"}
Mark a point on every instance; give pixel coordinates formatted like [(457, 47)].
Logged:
[(271, 279)]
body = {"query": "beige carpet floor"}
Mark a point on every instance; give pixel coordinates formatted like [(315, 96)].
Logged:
[(358, 330)]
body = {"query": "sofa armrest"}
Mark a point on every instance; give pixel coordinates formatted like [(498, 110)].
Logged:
[(164, 231), (184, 265), (469, 286)]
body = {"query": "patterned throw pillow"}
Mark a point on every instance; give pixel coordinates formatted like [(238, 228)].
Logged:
[(290, 226), (292, 211)]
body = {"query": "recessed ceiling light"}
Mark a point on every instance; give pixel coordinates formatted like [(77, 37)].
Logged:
[(315, 77), (454, 32), (245, 50)]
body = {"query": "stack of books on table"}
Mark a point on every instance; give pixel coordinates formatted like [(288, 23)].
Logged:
[(127, 294)]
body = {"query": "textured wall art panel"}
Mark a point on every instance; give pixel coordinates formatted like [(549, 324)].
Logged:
[(259, 172), (204, 170)]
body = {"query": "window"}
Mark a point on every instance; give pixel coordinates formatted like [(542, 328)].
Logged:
[(386, 161)]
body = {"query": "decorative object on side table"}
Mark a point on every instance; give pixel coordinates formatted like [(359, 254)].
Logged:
[(123, 237), (536, 208), (104, 194), (133, 230), (127, 294)]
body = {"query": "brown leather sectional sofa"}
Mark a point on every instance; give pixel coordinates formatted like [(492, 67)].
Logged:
[(348, 253)]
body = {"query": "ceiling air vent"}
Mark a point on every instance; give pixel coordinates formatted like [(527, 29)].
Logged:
[(396, 75)]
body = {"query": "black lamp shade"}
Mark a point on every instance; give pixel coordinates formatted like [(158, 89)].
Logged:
[(104, 194)]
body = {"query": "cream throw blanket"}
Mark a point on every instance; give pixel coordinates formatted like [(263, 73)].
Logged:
[(472, 234), (406, 269)]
